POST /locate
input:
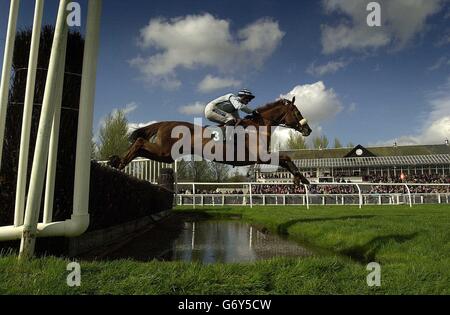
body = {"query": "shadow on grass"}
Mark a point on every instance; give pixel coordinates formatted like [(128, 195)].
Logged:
[(367, 252), (283, 228)]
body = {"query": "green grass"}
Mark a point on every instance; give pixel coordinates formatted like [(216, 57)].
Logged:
[(412, 245)]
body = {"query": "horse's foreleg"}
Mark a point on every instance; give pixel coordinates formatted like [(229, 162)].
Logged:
[(286, 162)]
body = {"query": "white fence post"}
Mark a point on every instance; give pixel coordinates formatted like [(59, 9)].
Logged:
[(6, 70), (193, 195), (251, 194), (54, 137), (43, 138), (409, 195), (360, 196), (27, 115), (307, 197)]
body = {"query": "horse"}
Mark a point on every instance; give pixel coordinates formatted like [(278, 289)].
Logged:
[(155, 141)]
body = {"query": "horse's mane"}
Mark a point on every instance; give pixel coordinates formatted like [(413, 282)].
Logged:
[(269, 106), (263, 109)]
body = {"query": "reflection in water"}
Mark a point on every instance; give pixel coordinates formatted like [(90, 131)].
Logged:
[(209, 242)]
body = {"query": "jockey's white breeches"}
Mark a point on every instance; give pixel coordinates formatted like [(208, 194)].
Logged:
[(219, 116)]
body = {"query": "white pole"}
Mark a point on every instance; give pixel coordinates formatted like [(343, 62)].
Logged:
[(86, 112), (6, 70), (175, 176), (53, 150), (307, 197), (43, 138), (27, 115), (360, 196), (409, 195), (193, 195), (251, 195)]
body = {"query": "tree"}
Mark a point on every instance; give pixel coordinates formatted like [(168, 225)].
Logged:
[(113, 135), (183, 171), (237, 177), (219, 171), (94, 151), (337, 143), (200, 171), (296, 141), (320, 142), (350, 145)]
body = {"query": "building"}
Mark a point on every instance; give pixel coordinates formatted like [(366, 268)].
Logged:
[(360, 164)]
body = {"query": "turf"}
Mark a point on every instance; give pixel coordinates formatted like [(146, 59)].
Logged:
[(412, 245)]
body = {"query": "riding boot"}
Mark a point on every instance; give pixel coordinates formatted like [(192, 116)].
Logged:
[(231, 123)]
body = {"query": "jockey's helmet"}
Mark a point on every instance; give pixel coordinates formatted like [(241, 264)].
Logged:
[(246, 93)]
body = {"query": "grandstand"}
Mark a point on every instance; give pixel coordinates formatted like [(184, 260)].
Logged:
[(394, 164)]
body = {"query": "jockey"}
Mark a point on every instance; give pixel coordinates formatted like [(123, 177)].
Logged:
[(225, 109)]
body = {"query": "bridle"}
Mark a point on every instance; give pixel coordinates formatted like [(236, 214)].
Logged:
[(300, 121)]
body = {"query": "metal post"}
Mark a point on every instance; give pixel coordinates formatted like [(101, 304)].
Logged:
[(193, 195), (251, 195), (360, 196), (7, 66), (43, 138), (53, 150), (307, 197), (27, 115), (176, 180), (409, 195), (86, 112)]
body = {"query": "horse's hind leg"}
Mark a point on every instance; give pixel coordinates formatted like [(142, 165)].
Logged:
[(120, 163)]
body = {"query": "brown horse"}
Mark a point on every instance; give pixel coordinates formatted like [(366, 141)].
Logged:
[(155, 141)]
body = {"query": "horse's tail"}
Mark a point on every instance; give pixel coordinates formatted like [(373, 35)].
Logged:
[(144, 132)]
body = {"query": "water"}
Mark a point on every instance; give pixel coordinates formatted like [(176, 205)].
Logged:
[(223, 241)]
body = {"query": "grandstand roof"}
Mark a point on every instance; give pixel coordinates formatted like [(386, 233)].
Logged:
[(391, 151), (409, 160)]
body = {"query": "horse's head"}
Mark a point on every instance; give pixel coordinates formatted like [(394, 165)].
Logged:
[(292, 118)]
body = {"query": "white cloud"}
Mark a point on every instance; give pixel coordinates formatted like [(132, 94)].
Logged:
[(329, 67), (436, 125), (127, 109), (315, 101), (401, 21), (211, 83), (281, 135), (136, 125), (195, 41), (130, 107), (351, 108), (197, 108), (441, 62)]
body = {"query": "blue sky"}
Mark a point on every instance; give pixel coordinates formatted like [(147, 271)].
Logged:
[(164, 60)]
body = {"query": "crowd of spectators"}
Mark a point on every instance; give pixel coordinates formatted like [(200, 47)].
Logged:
[(417, 178), (283, 189), (279, 189), (346, 189)]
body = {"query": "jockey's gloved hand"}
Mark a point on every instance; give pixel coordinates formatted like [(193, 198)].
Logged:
[(256, 113)]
